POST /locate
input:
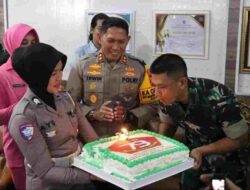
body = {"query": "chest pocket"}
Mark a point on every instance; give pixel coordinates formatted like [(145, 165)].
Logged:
[(129, 85), (48, 130), (47, 123)]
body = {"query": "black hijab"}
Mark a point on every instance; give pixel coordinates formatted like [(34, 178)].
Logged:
[(35, 64)]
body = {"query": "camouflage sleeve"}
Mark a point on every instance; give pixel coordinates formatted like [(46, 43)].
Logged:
[(32, 145), (229, 115)]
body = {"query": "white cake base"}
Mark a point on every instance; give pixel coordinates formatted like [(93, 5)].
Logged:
[(126, 185)]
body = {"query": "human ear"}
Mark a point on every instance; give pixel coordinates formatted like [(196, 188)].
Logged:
[(99, 37), (182, 82), (129, 38)]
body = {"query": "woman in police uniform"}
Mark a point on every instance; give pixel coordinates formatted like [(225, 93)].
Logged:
[(46, 123)]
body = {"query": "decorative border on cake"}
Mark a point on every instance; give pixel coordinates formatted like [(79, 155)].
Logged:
[(107, 154), (147, 173)]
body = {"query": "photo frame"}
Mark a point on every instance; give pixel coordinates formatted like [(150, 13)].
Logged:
[(185, 33), (244, 44), (126, 15)]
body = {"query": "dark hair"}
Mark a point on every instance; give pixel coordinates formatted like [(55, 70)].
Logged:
[(114, 22), (39, 59), (171, 64), (4, 56), (99, 16)]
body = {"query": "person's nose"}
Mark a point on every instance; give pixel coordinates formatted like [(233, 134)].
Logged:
[(116, 46), (29, 43), (59, 76)]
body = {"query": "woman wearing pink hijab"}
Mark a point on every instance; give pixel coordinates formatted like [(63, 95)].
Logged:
[(12, 88)]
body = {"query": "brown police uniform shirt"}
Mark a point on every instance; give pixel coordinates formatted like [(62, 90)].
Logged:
[(93, 81), (44, 134)]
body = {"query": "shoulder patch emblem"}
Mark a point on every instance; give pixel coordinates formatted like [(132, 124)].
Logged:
[(26, 131), (36, 101)]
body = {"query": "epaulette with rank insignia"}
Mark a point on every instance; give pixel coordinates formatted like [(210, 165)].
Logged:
[(124, 59), (100, 57), (87, 56), (136, 59)]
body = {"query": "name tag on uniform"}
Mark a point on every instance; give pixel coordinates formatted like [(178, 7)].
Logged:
[(94, 78), (129, 80), (18, 85)]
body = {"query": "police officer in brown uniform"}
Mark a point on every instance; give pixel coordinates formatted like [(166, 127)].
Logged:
[(46, 123), (108, 82)]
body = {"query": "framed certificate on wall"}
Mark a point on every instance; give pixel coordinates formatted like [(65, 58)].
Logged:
[(181, 32)]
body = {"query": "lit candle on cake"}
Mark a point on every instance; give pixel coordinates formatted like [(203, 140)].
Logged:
[(124, 131), (123, 135)]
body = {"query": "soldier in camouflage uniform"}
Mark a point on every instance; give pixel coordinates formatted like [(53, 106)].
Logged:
[(107, 82), (209, 113)]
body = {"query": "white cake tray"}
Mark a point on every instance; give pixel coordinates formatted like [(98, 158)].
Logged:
[(136, 184)]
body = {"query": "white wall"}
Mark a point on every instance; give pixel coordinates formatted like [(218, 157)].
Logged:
[(62, 23), (242, 81)]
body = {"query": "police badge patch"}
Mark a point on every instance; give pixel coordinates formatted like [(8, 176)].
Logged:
[(93, 98), (26, 131), (92, 86)]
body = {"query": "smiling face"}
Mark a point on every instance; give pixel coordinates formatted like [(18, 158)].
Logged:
[(170, 90), (55, 79), (114, 43)]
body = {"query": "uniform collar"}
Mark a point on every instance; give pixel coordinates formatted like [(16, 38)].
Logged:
[(194, 97), (36, 101), (101, 58), (32, 97)]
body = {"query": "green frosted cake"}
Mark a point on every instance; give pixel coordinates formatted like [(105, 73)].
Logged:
[(139, 154)]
